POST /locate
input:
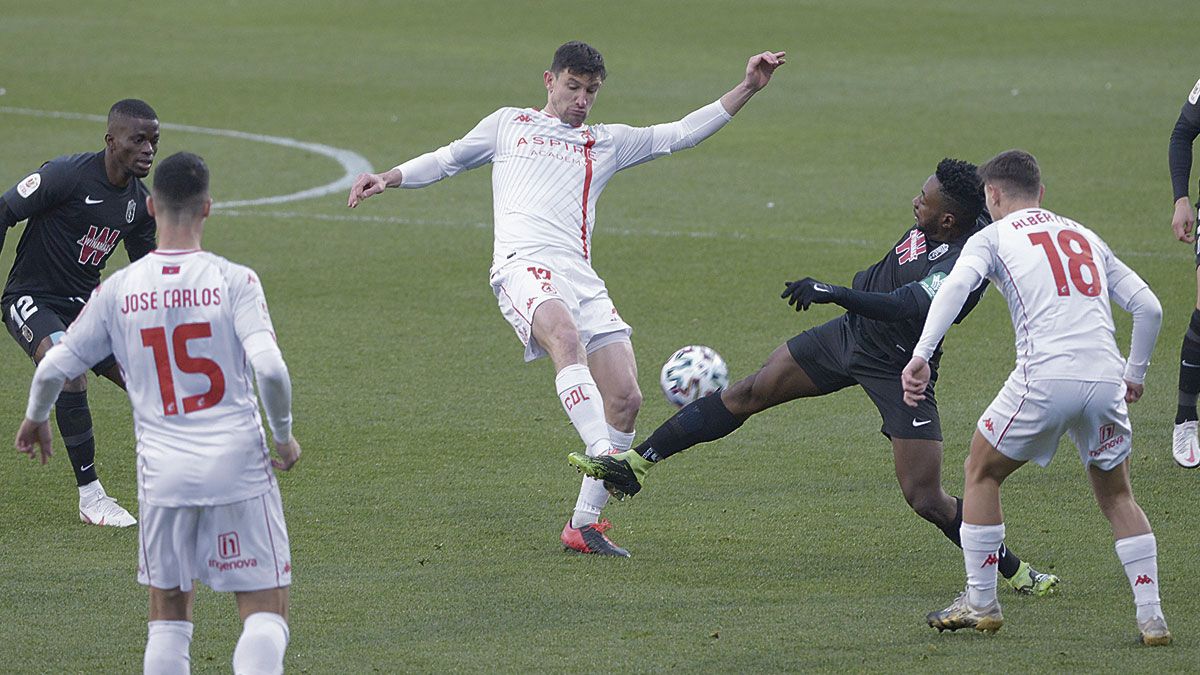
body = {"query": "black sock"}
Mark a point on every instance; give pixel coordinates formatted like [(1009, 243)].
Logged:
[(1189, 371), (75, 427), (1009, 562), (706, 419)]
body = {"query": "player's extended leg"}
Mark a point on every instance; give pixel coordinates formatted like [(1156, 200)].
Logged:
[(74, 419), (919, 472), (554, 329), (780, 380), (265, 633), (615, 370), (1184, 444), (169, 637), (982, 534), (1136, 548)]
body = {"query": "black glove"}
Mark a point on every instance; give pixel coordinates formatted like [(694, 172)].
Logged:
[(808, 291)]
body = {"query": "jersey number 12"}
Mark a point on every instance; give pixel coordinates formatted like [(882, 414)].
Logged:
[(1077, 261), (156, 340)]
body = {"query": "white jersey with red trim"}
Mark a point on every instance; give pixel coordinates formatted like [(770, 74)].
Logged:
[(176, 321), (547, 174), (1056, 276)]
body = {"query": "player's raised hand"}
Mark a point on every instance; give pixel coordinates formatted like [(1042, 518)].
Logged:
[(915, 378), (805, 292), (1184, 221), (366, 185), (289, 454), (33, 438), (761, 67)]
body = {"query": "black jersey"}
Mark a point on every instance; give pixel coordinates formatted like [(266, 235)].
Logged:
[(918, 262), (1187, 127), (76, 218)]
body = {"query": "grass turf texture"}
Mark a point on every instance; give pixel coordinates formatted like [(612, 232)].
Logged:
[(424, 515)]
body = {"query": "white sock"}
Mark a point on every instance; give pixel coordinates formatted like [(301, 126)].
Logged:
[(91, 490), (592, 495), (261, 646), (980, 544), (1139, 555), (167, 645), (581, 399)]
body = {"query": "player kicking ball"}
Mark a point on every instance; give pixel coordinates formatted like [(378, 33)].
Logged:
[(1058, 278), (191, 331)]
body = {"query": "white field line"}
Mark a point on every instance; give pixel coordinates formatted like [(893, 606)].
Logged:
[(352, 162)]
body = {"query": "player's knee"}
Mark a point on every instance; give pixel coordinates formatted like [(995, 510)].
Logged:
[(746, 396)]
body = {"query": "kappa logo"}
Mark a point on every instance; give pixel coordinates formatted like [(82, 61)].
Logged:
[(938, 252), (96, 244), (912, 247), (987, 423), (1143, 580), (523, 118), (30, 185), (991, 560)]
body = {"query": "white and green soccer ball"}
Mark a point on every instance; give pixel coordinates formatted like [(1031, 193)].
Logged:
[(691, 373)]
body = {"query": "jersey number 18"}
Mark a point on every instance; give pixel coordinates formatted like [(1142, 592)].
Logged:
[(1077, 261)]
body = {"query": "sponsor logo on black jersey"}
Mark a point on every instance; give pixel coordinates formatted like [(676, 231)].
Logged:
[(97, 243), (912, 247), (938, 252)]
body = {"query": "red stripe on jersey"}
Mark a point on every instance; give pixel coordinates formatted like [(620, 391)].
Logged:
[(587, 187)]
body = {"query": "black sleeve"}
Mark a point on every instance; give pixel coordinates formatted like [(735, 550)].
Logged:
[(7, 220), (902, 303), (140, 243), (43, 189), (1187, 127)]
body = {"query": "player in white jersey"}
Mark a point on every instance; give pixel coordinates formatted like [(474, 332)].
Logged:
[(549, 168), (191, 331), (1058, 278)]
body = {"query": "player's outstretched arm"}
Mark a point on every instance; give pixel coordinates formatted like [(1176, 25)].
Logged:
[(369, 184), (33, 439), (759, 70)]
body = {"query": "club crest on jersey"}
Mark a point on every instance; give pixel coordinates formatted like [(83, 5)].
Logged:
[(1192, 97), (30, 185), (97, 243), (938, 252), (912, 247), (130, 210)]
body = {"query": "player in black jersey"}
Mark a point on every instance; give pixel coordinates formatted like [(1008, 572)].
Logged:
[(1184, 445), (869, 347), (79, 207)]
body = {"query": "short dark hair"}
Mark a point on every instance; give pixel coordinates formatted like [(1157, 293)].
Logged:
[(1015, 171), (962, 188), (579, 58), (132, 108), (181, 183)]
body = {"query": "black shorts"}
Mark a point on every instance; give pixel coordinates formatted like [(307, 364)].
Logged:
[(31, 319), (833, 361)]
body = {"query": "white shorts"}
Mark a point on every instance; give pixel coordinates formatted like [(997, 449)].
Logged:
[(522, 284), (232, 547), (1026, 421)]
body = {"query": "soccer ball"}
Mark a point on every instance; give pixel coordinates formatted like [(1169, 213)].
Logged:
[(691, 373)]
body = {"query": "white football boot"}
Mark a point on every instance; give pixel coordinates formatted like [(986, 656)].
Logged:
[(1184, 445), (97, 508)]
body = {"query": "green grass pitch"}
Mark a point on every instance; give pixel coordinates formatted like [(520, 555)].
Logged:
[(425, 514)]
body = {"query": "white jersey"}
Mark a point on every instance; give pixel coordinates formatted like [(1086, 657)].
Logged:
[(547, 174), (176, 321), (1056, 276)]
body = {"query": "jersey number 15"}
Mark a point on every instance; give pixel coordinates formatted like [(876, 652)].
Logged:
[(156, 340), (1077, 261)]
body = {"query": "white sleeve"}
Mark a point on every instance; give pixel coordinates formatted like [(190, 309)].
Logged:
[(1133, 295), (475, 149), (948, 302), (58, 366), (274, 384), (250, 313), (635, 145)]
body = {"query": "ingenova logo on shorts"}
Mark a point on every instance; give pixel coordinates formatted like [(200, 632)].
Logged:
[(239, 564)]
